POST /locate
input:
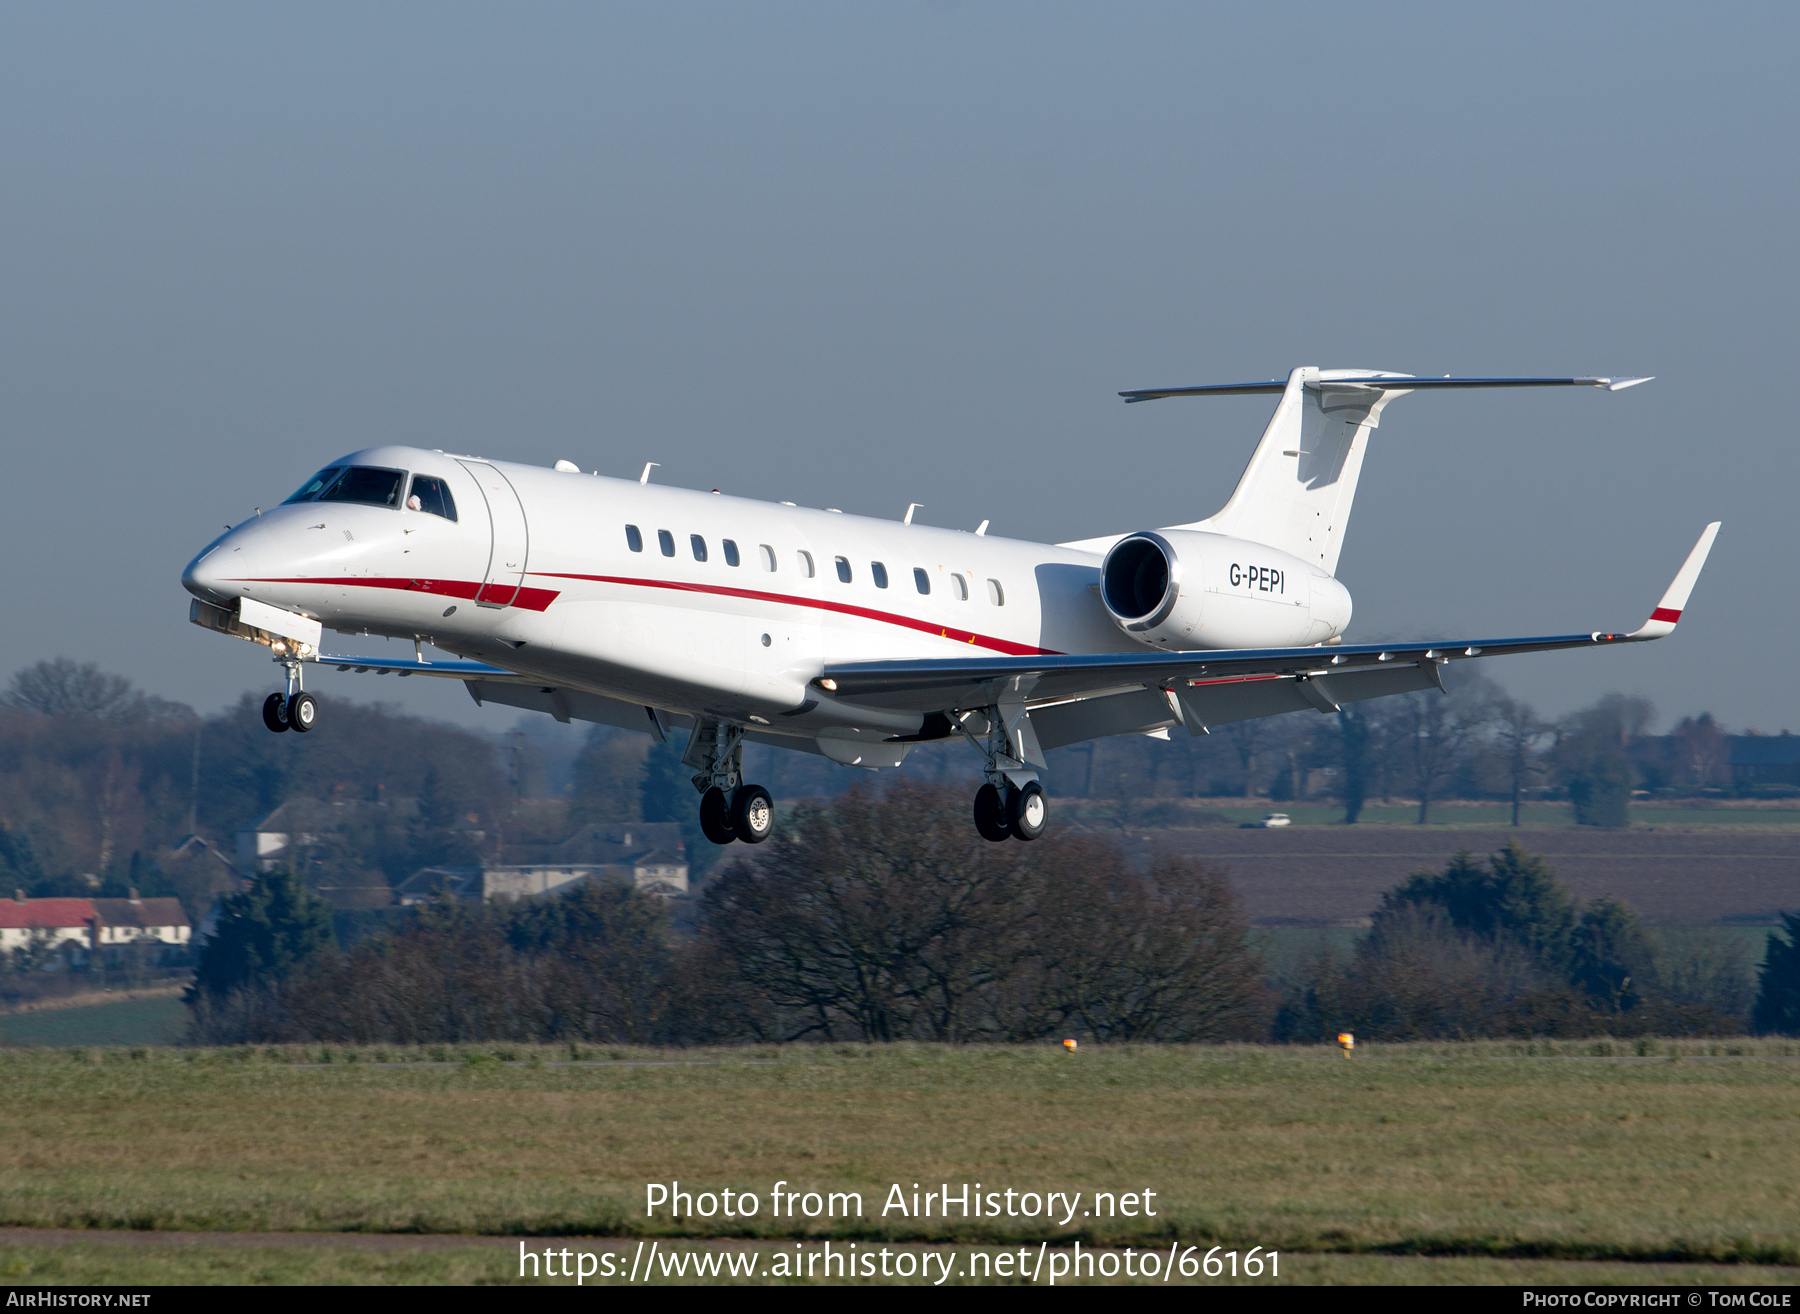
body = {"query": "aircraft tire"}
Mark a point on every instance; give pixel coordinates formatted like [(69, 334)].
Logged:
[(275, 713), (752, 814), (1027, 811), (990, 814), (302, 712), (715, 817)]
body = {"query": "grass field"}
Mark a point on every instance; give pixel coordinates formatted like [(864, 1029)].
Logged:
[(130, 1022), (337, 1264), (1683, 1153)]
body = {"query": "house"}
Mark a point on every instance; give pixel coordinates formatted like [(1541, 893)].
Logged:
[(279, 837), (50, 923), (141, 921), (1764, 759), (649, 854)]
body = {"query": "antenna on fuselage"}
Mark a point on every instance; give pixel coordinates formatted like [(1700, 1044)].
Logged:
[(648, 467), (910, 508), (981, 528)]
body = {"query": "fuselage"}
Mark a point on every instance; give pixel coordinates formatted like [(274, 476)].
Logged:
[(696, 602)]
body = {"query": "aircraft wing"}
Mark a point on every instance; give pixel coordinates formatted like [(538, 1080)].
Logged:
[(1074, 697)]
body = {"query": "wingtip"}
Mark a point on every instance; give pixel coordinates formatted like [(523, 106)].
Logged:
[(1668, 612), (1619, 385)]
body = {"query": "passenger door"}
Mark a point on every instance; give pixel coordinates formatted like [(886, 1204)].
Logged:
[(511, 541)]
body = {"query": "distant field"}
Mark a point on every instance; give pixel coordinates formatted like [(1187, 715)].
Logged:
[(1673, 1152), (1459, 815), (1319, 875), (132, 1022)]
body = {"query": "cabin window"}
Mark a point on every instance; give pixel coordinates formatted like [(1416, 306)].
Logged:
[(768, 557), (806, 564), (996, 594), (843, 569), (633, 539), (429, 493), (878, 573), (698, 544), (365, 484), (731, 552), (666, 541), (921, 580), (960, 587)]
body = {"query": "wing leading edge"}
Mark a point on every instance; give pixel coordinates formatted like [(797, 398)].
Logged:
[(1212, 687)]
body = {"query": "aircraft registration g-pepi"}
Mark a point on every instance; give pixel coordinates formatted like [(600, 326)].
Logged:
[(662, 609)]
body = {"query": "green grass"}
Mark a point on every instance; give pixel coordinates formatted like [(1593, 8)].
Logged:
[(1496, 1151), (130, 1022), (205, 1264)]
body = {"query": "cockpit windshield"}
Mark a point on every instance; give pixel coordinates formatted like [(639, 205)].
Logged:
[(367, 484), (310, 489)]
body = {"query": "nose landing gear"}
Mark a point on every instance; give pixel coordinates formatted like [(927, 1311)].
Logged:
[(294, 710)]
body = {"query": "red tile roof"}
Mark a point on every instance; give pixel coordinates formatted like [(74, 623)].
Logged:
[(46, 914)]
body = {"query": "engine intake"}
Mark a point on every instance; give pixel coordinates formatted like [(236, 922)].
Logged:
[(1183, 589), (1140, 582)]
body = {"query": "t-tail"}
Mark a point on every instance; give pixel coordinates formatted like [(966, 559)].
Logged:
[(1295, 494)]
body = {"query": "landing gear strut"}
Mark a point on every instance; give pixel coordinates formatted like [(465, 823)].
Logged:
[(294, 710), (729, 809), (1011, 805)]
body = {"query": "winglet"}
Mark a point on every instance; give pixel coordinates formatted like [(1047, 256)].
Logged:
[(1674, 602)]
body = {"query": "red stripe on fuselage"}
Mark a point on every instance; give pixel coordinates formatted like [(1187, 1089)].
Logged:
[(540, 599), (529, 599), (1006, 646), (1665, 614)]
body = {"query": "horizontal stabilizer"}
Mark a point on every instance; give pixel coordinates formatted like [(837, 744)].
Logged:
[(1386, 383)]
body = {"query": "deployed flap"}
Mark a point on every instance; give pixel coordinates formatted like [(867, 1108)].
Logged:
[(1220, 702), (1094, 718)]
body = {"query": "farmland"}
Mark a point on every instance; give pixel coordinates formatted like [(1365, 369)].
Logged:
[(1684, 874)]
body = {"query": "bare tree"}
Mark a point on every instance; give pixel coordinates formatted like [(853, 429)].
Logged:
[(63, 688), (1245, 736), (1704, 753), (1435, 730), (1163, 955), (880, 916), (1517, 731)]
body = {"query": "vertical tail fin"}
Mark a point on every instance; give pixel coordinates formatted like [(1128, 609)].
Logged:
[(1295, 494)]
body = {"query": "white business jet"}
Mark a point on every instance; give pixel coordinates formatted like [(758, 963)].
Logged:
[(658, 609)]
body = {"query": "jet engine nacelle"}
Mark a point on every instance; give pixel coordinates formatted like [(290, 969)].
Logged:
[(1183, 589)]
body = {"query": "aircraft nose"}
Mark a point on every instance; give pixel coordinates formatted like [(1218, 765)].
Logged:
[(202, 577)]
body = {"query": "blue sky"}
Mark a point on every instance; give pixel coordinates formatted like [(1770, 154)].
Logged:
[(863, 255)]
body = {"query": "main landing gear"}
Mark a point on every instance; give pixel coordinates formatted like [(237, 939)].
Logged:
[(1020, 813), (729, 809), (294, 710), (1011, 805)]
